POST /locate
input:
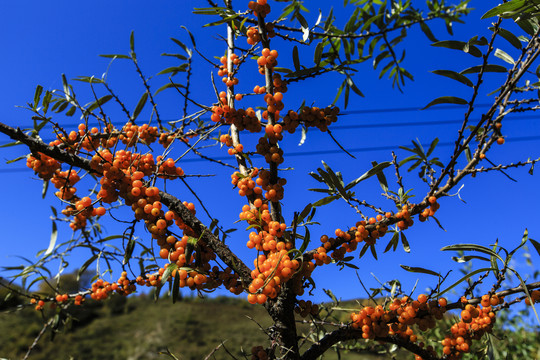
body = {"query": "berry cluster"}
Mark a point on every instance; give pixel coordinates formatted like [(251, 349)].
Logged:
[(131, 134), (274, 192), (43, 165), (310, 117), (399, 318), (270, 272), (81, 211), (229, 81), (258, 353), (268, 147), (535, 297), (268, 59), (246, 185), (259, 7), (305, 308), (101, 289), (474, 323), (430, 211)]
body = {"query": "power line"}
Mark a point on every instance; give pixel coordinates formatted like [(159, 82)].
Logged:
[(321, 152), (396, 124), (407, 109), (347, 112)]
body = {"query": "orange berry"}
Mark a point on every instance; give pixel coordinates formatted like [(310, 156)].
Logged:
[(164, 253)]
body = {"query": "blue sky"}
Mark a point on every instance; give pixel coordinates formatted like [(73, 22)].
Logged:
[(41, 40)]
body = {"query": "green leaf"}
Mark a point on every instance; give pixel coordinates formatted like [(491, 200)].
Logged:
[(432, 146), (222, 21), (178, 56), (325, 200), (383, 55), (46, 101), (283, 70), (168, 85), (45, 187), (373, 171), (318, 53), (95, 104), (536, 245), (296, 60), (182, 45), (353, 86), (37, 96), (334, 180), (472, 247), (11, 144), (393, 242), (373, 251), (173, 69), (487, 68), (60, 106), (111, 237), (463, 259), (85, 266), (115, 56), (52, 241), (66, 87), (462, 279), (167, 273), (132, 41), (419, 270), (493, 260), (381, 178), (140, 106), (210, 10), (455, 76), (526, 291), (524, 240), (352, 20), (459, 45), (304, 213), (346, 95), (175, 288), (446, 100), (191, 245), (16, 159), (529, 24), (507, 9), (338, 94), (363, 251), (370, 21), (504, 56), (510, 37), (89, 79), (404, 242), (427, 31), (129, 250), (71, 111), (306, 241), (286, 11)]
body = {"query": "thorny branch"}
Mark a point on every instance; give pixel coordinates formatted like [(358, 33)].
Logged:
[(173, 203)]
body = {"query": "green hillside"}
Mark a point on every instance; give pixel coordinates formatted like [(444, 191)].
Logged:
[(138, 328)]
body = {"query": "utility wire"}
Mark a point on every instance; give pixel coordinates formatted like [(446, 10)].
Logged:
[(347, 112), (395, 124), (323, 152)]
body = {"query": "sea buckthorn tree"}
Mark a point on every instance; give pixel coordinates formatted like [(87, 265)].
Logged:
[(171, 243)]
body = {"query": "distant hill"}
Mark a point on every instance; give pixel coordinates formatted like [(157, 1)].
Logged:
[(139, 328)]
